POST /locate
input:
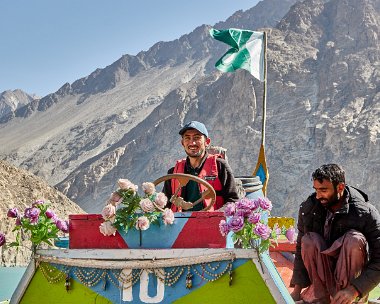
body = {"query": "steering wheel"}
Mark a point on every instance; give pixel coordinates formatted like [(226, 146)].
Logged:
[(183, 179)]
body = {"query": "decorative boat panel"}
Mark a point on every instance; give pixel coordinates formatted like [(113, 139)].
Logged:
[(190, 230)]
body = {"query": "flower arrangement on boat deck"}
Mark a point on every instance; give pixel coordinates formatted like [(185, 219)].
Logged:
[(126, 209), (247, 219), (39, 222)]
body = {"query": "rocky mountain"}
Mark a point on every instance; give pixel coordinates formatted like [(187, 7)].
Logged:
[(19, 189), (10, 101), (123, 121)]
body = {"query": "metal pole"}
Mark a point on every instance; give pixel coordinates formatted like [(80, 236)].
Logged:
[(264, 91)]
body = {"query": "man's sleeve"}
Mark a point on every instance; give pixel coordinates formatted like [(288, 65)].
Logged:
[(226, 177), (300, 275), (370, 276)]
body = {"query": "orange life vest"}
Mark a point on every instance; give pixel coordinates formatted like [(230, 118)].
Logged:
[(209, 173)]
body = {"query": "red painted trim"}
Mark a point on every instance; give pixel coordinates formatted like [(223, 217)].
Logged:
[(201, 228), (84, 233)]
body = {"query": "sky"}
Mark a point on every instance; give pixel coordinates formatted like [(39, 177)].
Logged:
[(46, 43)]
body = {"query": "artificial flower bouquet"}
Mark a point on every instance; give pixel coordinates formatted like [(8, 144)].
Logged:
[(38, 222), (126, 209), (247, 220)]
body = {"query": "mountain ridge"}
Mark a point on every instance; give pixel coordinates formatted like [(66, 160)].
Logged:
[(103, 79)]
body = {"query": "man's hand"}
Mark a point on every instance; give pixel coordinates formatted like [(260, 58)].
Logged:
[(345, 296), (181, 203)]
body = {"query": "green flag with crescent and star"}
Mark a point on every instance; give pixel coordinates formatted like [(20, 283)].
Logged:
[(247, 51)]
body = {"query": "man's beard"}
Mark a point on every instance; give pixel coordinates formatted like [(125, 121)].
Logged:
[(333, 201), (196, 155)]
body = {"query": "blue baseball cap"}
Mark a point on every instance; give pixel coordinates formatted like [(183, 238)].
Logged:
[(194, 125)]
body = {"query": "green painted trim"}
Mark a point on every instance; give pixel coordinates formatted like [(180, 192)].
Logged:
[(40, 291), (247, 287), (374, 293)]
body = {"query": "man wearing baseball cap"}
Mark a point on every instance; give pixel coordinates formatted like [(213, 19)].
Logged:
[(212, 168)]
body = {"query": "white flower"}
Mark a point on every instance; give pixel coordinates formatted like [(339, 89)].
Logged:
[(126, 184), (107, 229), (146, 205), (148, 188), (168, 216), (142, 223), (161, 200), (108, 212)]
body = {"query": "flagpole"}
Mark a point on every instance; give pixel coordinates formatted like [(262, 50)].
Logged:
[(261, 169), (264, 120)]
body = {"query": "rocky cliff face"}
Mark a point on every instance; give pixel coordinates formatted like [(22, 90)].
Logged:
[(123, 121), (323, 106), (19, 189), (331, 95)]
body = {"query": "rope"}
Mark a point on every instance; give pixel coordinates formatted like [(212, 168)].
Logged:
[(137, 264)]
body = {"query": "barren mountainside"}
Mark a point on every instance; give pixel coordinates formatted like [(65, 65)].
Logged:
[(19, 189), (323, 104)]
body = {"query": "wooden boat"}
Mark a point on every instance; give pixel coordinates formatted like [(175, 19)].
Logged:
[(187, 262)]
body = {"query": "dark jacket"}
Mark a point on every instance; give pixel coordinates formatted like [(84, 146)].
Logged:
[(357, 214)]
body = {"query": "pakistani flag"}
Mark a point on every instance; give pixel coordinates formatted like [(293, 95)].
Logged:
[(247, 51)]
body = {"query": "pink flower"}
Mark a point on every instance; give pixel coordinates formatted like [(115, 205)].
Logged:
[(108, 212), (254, 218), (126, 184), (13, 213), (115, 198), (244, 207), (50, 214), (149, 188), (142, 223), (262, 231), (246, 203), (253, 204), (168, 216), (62, 225), (146, 205), (291, 234), (32, 214), (223, 227), (236, 223), (243, 212), (107, 229), (230, 209), (265, 203), (161, 200)]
